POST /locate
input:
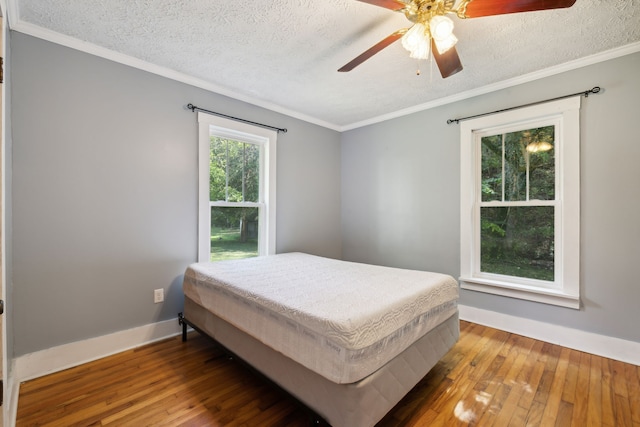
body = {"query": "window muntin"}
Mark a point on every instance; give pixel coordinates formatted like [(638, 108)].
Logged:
[(515, 199)]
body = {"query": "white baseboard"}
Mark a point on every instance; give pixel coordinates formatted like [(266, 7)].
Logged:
[(601, 345), (43, 362)]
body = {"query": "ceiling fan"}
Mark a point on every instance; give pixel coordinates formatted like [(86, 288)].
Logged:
[(432, 30)]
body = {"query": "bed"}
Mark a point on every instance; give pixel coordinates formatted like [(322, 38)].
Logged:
[(349, 340)]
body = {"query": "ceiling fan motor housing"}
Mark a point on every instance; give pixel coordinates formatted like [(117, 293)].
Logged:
[(423, 10)]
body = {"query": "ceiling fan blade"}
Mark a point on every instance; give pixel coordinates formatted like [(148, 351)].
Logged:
[(387, 4), (479, 8), (448, 62), (373, 50)]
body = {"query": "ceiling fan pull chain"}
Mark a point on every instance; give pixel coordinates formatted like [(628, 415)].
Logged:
[(431, 70)]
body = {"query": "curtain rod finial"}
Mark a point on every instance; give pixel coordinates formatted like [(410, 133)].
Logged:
[(596, 89)]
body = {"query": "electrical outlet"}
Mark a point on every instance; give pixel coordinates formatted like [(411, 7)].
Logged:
[(158, 296)]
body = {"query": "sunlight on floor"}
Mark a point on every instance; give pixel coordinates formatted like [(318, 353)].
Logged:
[(464, 415)]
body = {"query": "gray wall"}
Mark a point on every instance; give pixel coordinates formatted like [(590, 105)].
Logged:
[(401, 191), (103, 205), (104, 192)]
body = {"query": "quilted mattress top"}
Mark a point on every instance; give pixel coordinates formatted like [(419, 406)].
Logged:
[(341, 319)]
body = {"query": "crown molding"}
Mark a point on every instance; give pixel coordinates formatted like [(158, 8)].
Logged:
[(93, 49), (16, 24), (526, 78)]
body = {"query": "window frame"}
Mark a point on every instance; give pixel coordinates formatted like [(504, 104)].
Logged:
[(266, 139), (565, 289)]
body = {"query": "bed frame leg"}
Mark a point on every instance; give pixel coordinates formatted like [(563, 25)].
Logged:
[(183, 322), (316, 421)]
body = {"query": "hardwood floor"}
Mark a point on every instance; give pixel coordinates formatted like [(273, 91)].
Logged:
[(490, 378)]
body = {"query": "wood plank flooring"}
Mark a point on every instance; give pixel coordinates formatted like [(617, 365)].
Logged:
[(490, 378)]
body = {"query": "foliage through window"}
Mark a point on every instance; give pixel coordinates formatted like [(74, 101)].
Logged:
[(517, 203), (234, 170), (520, 203)]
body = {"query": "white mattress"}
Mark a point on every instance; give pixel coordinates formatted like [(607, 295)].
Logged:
[(340, 319)]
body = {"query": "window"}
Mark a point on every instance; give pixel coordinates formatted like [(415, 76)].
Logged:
[(236, 216), (520, 203)]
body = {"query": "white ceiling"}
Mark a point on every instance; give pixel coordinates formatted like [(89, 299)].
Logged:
[(283, 54)]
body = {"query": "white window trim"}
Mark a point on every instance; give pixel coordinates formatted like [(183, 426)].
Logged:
[(565, 291), (267, 139)]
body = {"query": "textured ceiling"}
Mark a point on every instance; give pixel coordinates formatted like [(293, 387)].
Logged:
[(284, 54)]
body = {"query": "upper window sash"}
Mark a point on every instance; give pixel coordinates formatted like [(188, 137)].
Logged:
[(502, 131), (247, 139)]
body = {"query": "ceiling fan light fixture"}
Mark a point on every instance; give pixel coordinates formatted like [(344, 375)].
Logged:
[(441, 29), (416, 41)]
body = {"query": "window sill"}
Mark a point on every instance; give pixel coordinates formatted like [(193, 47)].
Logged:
[(529, 293)]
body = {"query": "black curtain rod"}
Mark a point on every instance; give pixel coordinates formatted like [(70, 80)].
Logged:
[(194, 108), (585, 94)]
